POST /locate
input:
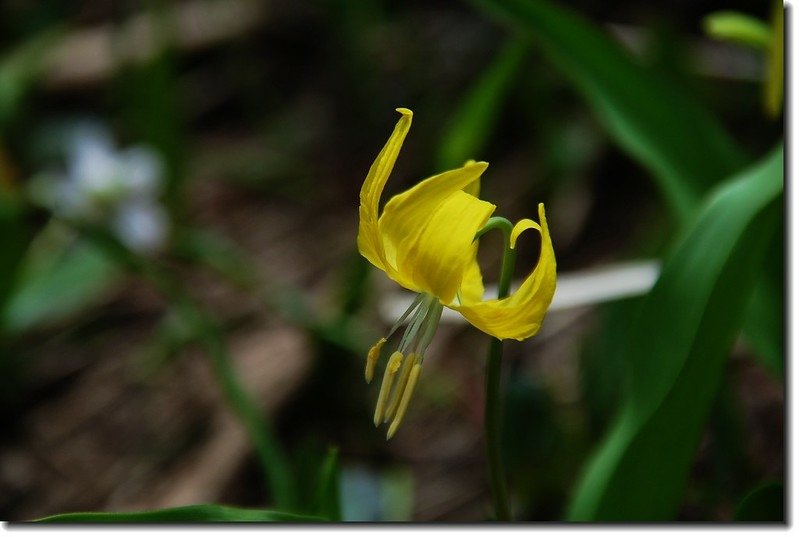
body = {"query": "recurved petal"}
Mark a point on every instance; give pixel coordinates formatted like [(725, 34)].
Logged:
[(520, 227), (519, 316), (369, 240), (435, 258)]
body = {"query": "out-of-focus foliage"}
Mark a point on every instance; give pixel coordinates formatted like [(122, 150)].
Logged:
[(678, 350), (657, 123), (265, 136)]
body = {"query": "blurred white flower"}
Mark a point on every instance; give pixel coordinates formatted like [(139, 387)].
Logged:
[(119, 188)]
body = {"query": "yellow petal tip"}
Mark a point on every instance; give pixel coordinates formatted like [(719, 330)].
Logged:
[(404, 111)]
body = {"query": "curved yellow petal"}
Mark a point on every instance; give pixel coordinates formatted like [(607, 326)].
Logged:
[(520, 227), (369, 241), (472, 288), (435, 258), (406, 214), (472, 188), (519, 316)]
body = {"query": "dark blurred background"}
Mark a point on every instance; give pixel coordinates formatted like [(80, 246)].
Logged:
[(266, 116)]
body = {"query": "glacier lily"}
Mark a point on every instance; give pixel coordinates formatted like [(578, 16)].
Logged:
[(425, 240)]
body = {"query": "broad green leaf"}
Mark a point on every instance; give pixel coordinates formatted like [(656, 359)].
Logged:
[(766, 503), (189, 513), (474, 119), (662, 127), (678, 349), (57, 284)]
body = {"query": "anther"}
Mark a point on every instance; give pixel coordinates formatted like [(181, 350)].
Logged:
[(406, 398), (396, 395), (371, 359), (388, 378)]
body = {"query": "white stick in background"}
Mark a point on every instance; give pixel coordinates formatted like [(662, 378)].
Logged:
[(575, 289)]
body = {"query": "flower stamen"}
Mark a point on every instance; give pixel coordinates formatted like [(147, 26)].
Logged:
[(388, 379), (406, 398), (371, 359), (396, 395)]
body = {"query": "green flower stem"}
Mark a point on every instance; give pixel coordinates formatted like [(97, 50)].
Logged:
[(208, 334), (493, 400)]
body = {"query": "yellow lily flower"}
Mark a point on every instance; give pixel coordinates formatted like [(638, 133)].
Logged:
[(425, 241)]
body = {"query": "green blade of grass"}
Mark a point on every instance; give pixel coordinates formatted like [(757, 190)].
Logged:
[(189, 513), (678, 349), (328, 500), (661, 127)]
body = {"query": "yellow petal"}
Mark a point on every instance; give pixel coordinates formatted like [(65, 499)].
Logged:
[(369, 240), (519, 316), (434, 256), (472, 288), (472, 188), (521, 226), (406, 213)]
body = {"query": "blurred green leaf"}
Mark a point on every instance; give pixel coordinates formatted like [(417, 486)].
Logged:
[(328, 501), (189, 513), (474, 119), (765, 503), (765, 317), (678, 351), (152, 105), (662, 127), (738, 28), (58, 283)]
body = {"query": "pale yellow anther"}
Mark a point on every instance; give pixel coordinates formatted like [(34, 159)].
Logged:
[(388, 378), (406, 398), (371, 359), (396, 395)]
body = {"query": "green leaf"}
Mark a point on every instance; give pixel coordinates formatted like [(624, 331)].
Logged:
[(55, 283), (474, 120), (189, 513), (738, 28), (764, 325), (328, 501), (766, 503), (662, 127), (678, 350)]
